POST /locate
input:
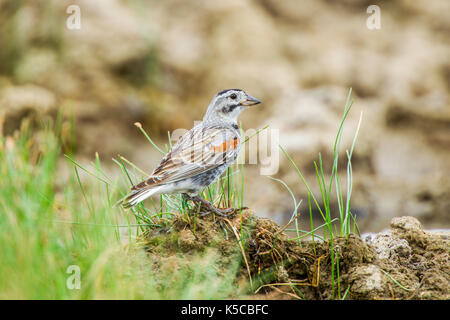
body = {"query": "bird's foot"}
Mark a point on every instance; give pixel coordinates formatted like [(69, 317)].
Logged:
[(209, 208)]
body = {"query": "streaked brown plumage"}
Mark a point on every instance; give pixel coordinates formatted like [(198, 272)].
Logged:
[(201, 155)]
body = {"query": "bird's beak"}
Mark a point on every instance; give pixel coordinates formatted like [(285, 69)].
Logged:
[(250, 101)]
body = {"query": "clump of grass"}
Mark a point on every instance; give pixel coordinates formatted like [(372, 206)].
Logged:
[(36, 246), (48, 224), (346, 220)]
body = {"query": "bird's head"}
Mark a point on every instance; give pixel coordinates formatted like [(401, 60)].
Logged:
[(228, 104)]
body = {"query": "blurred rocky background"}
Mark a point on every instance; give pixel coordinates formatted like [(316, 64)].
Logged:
[(160, 63)]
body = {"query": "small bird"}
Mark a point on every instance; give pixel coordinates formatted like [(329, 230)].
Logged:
[(200, 156)]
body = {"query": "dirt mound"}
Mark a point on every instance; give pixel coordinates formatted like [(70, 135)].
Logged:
[(404, 263), (417, 259)]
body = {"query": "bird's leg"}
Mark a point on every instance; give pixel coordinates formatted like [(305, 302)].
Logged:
[(187, 196), (209, 207)]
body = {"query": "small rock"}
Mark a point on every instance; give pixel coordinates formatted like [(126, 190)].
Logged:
[(186, 240), (367, 281), (16, 99), (388, 247), (406, 224), (282, 274)]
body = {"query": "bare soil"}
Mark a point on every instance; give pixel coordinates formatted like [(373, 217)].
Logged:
[(405, 262)]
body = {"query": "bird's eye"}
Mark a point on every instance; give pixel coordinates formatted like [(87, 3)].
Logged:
[(233, 96)]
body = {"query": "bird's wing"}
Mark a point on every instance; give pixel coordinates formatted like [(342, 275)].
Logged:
[(198, 150)]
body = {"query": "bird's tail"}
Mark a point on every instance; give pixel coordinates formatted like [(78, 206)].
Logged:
[(136, 196)]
